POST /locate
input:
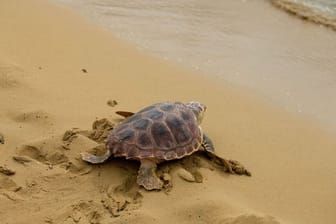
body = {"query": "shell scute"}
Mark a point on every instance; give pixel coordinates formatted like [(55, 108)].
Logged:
[(154, 114), (126, 135), (162, 136), (170, 155), (132, 152), (187, 116), (145, 154), (159, 154), (141, 124), (179, 129), (180, 152), (167, 107), (132, 118), (144, 140)]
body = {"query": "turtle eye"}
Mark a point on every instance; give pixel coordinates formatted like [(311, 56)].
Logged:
[(196, 107)]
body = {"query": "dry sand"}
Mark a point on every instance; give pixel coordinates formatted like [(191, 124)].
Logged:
[(44, 91)]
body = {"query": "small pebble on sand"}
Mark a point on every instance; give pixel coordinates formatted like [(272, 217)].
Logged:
[(2, 139), (112, 103)]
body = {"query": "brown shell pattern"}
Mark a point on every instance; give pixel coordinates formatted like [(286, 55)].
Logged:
[(164, 131)]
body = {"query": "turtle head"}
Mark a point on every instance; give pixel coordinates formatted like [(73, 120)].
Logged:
[(198, 109)]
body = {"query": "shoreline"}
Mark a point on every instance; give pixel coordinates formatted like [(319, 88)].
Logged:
[(44, 50), (305, 13)]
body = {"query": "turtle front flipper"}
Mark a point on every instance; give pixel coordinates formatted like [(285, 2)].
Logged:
[(147, 175), (95, 159), (207, 144)]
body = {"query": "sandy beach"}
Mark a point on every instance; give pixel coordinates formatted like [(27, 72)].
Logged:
[(58, 71)]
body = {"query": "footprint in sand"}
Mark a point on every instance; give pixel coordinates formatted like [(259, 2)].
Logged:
[(123, 197), (39, 117), (8, 189), (6, 183), (55, 151), (115, 201), (10, 76), (7, 171), (63, 150), (82, 212)]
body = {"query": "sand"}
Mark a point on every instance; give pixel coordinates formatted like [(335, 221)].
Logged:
[(58, 72)]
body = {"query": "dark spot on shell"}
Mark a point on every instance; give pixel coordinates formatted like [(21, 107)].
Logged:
[(141, 124), (162, 136), (167, 107), (179, 129), (154, 114), (125, 135), (144, 140)]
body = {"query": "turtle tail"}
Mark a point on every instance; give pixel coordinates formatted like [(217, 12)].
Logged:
[(95, 159)]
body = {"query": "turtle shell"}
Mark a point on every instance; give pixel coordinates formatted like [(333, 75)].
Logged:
[(163, 131)]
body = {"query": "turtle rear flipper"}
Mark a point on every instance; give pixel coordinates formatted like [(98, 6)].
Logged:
[(125, 114), (95, 159)]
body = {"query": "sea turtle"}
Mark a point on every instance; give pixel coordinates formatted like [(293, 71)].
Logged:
[(160, 132)]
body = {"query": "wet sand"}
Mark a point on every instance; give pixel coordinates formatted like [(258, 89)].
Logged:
[(57, 72), (251, 44)]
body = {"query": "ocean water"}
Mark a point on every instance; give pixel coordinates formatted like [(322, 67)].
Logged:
[(249, 43), (327, 7)]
